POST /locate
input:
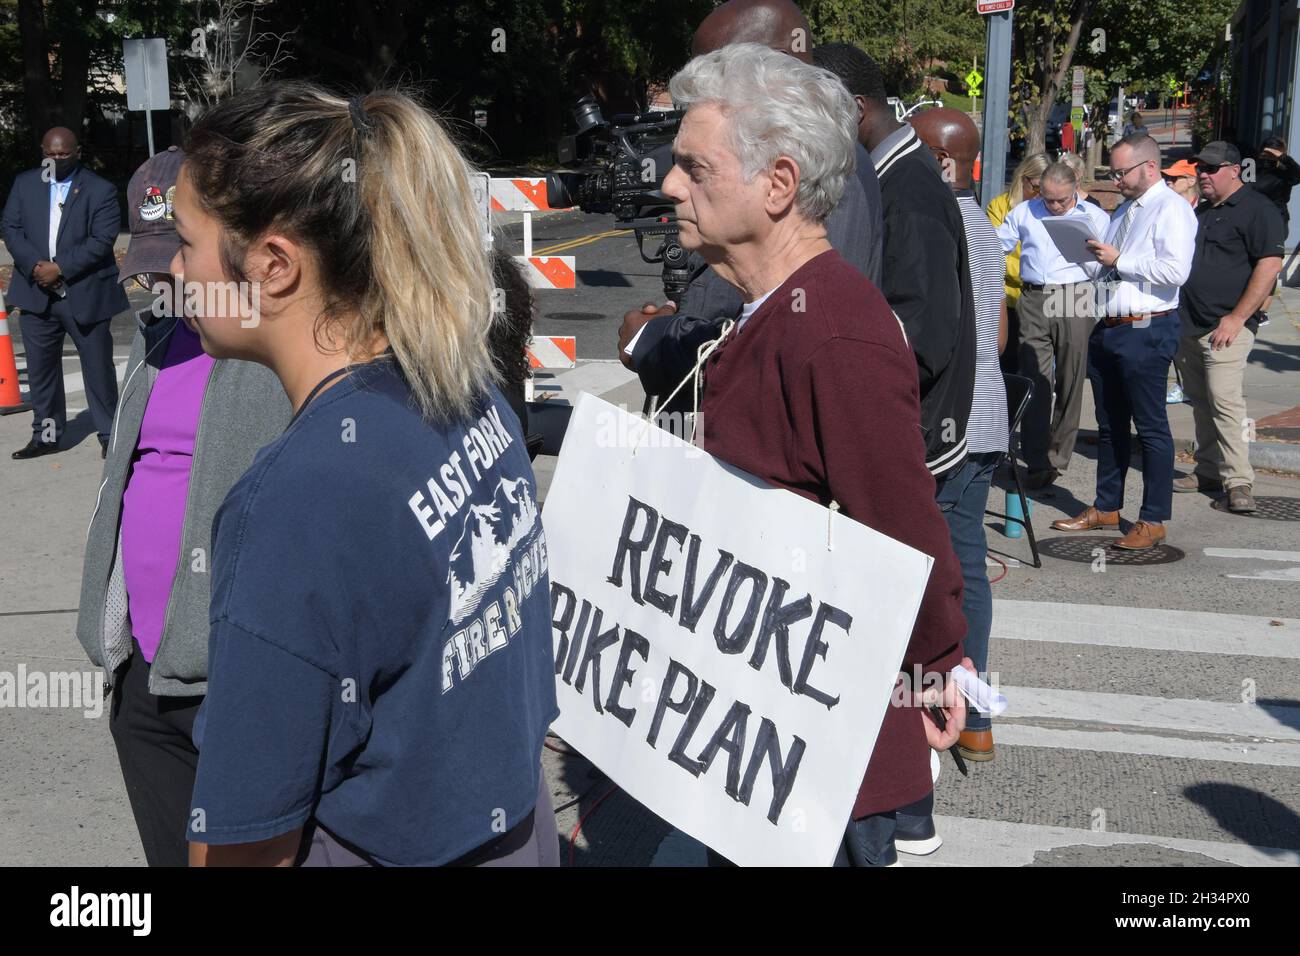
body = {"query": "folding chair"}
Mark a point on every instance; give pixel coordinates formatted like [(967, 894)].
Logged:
[(1019, 388)]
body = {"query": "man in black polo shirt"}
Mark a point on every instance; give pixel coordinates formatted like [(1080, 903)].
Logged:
[(1239, 247)]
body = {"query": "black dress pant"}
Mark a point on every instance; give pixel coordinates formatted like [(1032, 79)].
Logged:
[(43, 335), (155, 746)]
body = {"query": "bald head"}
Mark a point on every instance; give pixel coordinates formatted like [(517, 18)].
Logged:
[(60, 151), (950, 134), (778, 24), (61, 137)]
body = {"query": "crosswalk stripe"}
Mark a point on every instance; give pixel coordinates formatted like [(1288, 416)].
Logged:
[(73, 382), (1150, 745), (1271, 721), (597, 377), (1286, 574), (971, 842), (1147, 628), (1252, 553)]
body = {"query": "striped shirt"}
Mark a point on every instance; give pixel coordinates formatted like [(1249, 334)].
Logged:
[(987, 429)]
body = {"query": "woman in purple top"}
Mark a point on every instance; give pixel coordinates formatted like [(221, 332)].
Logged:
[(186, 428), (153, 506)]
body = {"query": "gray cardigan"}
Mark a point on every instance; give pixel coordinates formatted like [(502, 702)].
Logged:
[(244, 408)]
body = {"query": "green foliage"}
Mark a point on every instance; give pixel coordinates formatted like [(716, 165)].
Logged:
[(1145, 44), (903, 35)]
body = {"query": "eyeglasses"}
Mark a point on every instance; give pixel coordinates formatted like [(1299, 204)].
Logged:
[(1209, 170), (1118, 174), (1033, 183)]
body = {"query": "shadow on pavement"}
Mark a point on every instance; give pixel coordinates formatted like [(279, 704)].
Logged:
[(1253, 817)]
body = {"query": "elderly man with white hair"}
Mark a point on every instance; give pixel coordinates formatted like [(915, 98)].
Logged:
[(814, 387)]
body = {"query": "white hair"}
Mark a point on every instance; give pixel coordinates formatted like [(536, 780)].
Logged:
[(777, 106)]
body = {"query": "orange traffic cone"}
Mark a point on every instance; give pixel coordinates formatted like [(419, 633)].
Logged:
[(11, 399)]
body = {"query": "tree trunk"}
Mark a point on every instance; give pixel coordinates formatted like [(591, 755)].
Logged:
[(36, 68), (74, 65), (1049, 76)]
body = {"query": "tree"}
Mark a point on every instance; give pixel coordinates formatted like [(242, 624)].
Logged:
[(228, 51), (57, 38), (1046, 38), (904, 37)]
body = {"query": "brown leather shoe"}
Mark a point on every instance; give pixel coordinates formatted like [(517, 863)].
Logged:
[(1240, 500), (1143, 535), (976, 744), (1195, 483), (1090, 520)]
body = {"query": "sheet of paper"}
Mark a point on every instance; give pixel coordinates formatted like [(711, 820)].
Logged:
[(982, 697), (628, 349), (1071, 235)]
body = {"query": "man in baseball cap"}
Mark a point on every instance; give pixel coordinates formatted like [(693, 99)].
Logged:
[(149, 214), (1218, 153), (1181, 178), (187, 427), (1239, 250)]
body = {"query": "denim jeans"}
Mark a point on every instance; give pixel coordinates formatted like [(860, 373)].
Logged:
[(962, 498)]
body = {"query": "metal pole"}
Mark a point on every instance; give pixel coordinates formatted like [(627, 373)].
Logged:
[(997, 98), (148, 115)]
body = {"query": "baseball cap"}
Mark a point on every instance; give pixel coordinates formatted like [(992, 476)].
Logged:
[(1184, 167), (1218, 153), (149, 198)]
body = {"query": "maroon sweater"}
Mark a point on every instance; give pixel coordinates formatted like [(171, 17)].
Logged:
[(824, 402)]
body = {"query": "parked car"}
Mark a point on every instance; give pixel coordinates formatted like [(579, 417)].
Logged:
[(1058, 117)]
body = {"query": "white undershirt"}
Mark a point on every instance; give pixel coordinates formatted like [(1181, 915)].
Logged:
[(750, 308)]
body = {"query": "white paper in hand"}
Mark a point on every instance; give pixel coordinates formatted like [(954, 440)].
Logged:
[(982, 697), (1071, 235)]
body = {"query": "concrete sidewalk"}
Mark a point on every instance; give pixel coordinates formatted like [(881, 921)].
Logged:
[(1272, 391)]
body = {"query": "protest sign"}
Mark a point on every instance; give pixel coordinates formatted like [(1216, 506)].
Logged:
[(724, 650)]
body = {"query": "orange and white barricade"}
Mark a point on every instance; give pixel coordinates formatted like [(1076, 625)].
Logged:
[(549, 351), (528, 196)]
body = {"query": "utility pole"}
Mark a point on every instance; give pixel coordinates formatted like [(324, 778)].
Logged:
[(997, 99)]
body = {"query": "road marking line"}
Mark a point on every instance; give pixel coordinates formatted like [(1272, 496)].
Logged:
[(1270, 721), (596, 377), (73, 381), (1123, 742), (1289, 574), (1252, 553), (580, 241), (1146, 628), (972, 842)]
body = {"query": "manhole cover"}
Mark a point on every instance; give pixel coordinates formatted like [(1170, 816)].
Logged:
[(1271, 509), (1089, 548), (574, 316)]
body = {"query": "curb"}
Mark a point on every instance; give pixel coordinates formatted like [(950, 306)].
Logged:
[(1278, 456)]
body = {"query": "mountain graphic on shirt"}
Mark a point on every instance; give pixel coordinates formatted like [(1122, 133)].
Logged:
[(491, 532)]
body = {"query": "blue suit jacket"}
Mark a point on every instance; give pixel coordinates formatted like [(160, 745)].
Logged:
[(90, 224)]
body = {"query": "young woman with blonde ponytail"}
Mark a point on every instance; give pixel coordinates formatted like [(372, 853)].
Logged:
[(380, 665)]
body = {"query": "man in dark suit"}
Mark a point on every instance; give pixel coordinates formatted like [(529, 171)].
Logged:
[(59, 225)]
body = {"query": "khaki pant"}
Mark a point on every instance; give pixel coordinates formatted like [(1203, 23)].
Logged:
[(1054, 326), (1212, 382)]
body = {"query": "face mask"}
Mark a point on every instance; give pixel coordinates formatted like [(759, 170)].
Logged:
[(63, 167)]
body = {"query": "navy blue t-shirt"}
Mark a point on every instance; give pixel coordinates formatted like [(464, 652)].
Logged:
[(380, 655)]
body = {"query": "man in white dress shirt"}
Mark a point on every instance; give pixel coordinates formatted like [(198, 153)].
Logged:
[(1146, 257), (1056, 317)]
